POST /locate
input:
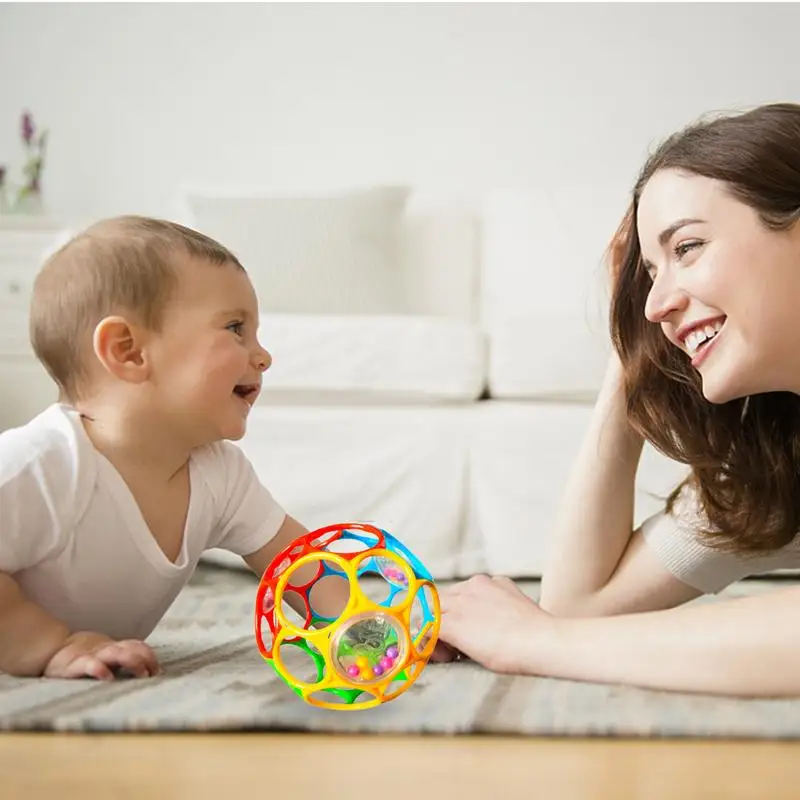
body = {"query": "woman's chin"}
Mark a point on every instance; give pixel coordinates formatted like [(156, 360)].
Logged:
[(718, 391)]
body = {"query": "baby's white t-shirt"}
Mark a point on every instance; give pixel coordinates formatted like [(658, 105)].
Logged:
[(74, 539)]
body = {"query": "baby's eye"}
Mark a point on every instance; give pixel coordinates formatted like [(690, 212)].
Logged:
[(236, 327)]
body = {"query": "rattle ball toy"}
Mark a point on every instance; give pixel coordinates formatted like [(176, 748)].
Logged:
[(370, 648)]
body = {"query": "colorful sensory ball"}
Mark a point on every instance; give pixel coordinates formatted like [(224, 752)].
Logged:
[(369, 648)]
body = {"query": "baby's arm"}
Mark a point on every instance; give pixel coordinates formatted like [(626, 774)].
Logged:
[(331, 595), (41, 493), (254, 525), (33, 643), (29, 637)]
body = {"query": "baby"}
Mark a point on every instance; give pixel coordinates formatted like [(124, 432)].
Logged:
[(109, 497)]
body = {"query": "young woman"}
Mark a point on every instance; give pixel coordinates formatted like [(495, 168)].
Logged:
[(704, 319)]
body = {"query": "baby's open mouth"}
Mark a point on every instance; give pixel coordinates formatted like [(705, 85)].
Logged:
[(247, 391)]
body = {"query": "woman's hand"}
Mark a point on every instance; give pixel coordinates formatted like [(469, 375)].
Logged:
[(492, 622)]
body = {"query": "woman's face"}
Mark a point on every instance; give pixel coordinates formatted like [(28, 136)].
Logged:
[(726, 289)]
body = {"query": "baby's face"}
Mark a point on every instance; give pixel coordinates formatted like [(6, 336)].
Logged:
[(207, 361)]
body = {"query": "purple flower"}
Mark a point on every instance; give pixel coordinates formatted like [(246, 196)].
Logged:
[(28, 128)]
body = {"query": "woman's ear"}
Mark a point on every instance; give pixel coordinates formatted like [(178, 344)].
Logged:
[(119, 347)]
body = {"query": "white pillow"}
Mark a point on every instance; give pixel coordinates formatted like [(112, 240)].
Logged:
[(359, 358), (315, 253), (544, 295)]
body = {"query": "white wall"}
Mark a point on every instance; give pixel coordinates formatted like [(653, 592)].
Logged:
[(143, 100)]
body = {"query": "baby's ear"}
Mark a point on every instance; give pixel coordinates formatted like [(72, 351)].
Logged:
[(118, 345)]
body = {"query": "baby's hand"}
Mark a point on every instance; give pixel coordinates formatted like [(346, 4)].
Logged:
[(92, 655)]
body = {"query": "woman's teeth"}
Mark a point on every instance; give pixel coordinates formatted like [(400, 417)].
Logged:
[(702, 335)]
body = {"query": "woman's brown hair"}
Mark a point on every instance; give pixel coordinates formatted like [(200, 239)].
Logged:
[(744, 454)]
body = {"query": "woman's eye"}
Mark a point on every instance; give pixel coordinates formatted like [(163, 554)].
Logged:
[(682, 249), (236, 327)]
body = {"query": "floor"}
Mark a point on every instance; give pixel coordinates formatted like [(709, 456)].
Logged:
[(195, 766), (228, 766)]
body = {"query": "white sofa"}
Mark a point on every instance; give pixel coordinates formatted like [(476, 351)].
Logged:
[(435, 361)]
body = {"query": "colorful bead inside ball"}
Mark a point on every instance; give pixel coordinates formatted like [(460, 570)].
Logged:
[(392, 572), (368, 648), (268, 602)]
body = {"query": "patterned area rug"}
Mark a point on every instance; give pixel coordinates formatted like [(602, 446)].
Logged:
[(216, 680)]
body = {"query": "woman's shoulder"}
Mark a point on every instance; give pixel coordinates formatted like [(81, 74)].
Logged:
[(682, 537)]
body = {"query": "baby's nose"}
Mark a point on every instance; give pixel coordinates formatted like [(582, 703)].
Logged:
[(263, 361)]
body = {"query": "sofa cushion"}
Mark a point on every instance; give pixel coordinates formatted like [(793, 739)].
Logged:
[(544, 298), (333, 253), (439, 252), (401, 468), (358, 358), (548, 355), (521, 456)]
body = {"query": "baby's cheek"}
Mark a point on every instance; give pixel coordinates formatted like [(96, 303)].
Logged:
[(229, 362), (212, 364)]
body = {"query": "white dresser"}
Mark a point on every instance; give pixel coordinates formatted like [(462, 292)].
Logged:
[(25, 387)]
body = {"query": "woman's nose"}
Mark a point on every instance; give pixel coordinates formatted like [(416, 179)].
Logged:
[(665, 298)]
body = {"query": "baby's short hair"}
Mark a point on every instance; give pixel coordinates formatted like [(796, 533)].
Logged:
[(123, 265)]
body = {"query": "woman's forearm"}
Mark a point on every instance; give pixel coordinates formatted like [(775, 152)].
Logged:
[(747, 647), (595, 520)]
